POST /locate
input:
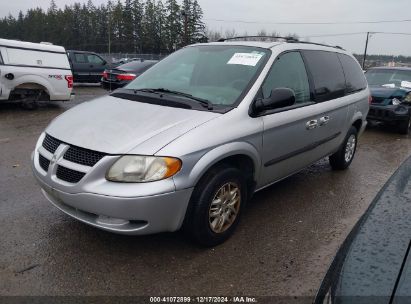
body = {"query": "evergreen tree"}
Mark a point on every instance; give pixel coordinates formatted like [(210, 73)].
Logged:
[(161, 27), (138, 13), (102, 29), (187, 22), (128, 26), (198, 26), (155, 26), (174, 25), (19, 26), (117, 27), (150, 34)]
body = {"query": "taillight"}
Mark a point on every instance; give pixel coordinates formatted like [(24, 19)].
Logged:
[(69, 79), (370, 99), (105, 74), (126, 76)]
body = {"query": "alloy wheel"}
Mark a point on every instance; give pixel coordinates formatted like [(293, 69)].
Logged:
[(224, 207), (350, 148)]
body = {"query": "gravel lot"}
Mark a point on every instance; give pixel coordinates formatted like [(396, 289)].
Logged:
[(283, 246)]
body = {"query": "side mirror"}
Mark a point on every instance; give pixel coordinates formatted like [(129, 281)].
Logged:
[(279, 98)]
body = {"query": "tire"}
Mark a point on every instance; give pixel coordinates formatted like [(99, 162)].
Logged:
[(404, 126), (199, 224), (342, 159), (29, 105), (29, 100)]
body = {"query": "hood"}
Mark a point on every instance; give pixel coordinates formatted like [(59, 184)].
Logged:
[(387, 92), (116, 126), (383, 95)]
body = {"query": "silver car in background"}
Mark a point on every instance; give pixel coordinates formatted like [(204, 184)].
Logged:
[(187, 143)]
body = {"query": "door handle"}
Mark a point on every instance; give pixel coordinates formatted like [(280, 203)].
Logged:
[(324, 120), (311, 124)]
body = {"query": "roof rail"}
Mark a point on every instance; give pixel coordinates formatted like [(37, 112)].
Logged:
[(289, 39), (315, 43)]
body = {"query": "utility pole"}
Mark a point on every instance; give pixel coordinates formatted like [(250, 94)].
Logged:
[(109, 40), (365, 51), (109, 33), (185, 15)]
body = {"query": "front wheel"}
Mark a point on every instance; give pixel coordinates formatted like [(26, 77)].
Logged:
[(342, 159), (216, 205)]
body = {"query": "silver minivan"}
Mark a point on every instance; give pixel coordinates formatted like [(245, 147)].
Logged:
[(187, 143)]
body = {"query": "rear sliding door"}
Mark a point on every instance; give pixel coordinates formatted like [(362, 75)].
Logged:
[(329, 87)]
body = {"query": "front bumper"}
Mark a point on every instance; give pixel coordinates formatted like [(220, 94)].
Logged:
[(125, 208), (388, 113), (132, 216)]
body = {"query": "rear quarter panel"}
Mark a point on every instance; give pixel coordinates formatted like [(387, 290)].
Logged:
[(53, 80), (31, 68)]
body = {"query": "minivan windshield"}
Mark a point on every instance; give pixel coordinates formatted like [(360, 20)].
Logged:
[(387, 77), (218, 74)]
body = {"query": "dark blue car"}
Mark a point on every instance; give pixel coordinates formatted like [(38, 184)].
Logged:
[(373, 265), (391, 96)]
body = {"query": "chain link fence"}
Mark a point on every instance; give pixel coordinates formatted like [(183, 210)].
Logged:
[(127, 57)]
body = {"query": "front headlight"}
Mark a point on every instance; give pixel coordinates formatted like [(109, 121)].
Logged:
[(141, 169), (395, 101)]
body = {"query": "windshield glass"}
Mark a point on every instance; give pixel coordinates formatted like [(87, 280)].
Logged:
[(387, 77), (219, 74)]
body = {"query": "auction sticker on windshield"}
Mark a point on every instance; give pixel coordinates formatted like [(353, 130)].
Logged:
[(250, 59)]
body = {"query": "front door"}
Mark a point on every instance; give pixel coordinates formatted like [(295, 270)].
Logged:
[(97, 65), (81, 69)]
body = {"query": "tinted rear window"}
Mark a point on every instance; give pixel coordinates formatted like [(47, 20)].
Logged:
[(327, 74), (136, 66), (354, 76)]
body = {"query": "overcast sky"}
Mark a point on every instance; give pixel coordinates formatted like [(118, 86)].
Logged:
[(260, 14)]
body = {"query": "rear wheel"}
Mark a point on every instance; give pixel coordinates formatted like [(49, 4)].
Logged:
[(216, 206), (30, 103), (29, 98), (343, 157), (404, 126)]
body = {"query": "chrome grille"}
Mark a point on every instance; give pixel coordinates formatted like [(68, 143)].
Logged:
[(44, 162), (69, 175), (73, 154), (50, 143), (83, 156)]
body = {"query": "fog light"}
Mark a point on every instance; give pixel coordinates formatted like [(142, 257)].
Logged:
[(106, 220)]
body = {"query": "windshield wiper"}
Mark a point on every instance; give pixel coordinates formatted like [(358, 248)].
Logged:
[(204, 102)]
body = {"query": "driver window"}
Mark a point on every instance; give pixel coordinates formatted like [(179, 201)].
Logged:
[(95, 59), (288, 71), (80, 58)]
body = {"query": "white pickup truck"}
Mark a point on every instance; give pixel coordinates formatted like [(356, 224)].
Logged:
[(31, 72)]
